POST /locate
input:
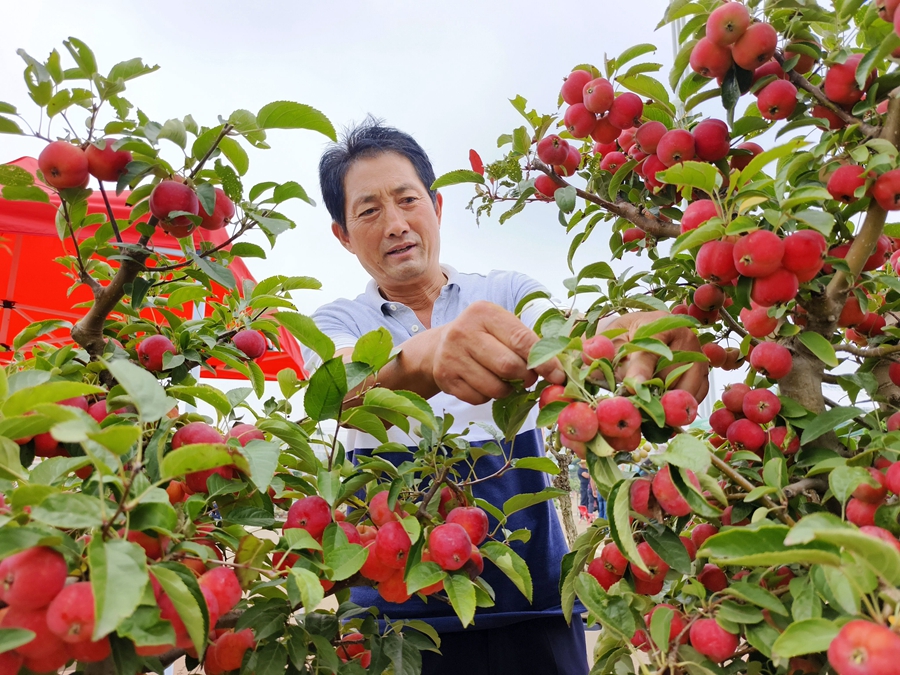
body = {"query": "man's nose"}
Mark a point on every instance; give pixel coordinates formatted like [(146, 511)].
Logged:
[(396, 224)]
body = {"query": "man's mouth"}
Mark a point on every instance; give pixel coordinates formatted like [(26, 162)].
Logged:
[(401, 249)]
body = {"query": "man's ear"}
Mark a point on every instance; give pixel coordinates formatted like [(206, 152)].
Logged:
[(438, 206), (341, 235)]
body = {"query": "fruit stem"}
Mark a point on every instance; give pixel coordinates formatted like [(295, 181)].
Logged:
[(633, 214), (737, 478), (222, 134)]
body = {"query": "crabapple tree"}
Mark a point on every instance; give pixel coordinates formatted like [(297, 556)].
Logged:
[(134, 530), (752, 190)]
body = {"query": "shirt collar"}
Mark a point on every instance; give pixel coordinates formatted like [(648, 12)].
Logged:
[(374, 298)]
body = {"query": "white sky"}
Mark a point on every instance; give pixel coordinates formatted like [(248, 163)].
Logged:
[(441, 71)]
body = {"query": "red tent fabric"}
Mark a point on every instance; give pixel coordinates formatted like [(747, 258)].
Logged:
[(34, 287)]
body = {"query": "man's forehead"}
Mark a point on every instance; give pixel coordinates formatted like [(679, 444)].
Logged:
[(387, 172)]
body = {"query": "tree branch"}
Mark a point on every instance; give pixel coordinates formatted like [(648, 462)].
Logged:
[(802, 83), (868, 352), (816, 483), (737, 478), (222, 134), (873, 226), (638, 216)]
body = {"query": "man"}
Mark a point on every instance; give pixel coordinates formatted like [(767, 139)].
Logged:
[(461, 344)]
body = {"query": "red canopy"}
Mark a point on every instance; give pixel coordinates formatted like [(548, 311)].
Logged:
[(34, 287)]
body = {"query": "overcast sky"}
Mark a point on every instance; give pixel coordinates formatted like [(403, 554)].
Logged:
[(443, 72)]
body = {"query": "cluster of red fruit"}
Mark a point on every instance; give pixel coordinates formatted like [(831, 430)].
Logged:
[(201, 432), (744, 417), (171, 196), (705, 635), (61, 615), (452, 545), (222, 592), (44, 445), (152, 349), (615, 418), (65, 165)]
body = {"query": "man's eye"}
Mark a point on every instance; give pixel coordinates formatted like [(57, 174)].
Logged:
[(367, 212), (410, 200)]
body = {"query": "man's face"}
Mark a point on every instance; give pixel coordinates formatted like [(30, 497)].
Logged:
[(393, 227)]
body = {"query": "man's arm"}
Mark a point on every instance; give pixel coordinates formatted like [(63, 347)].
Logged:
[(472, 358)]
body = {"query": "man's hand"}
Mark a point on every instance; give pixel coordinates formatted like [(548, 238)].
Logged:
[(641, 365), (485, 347)]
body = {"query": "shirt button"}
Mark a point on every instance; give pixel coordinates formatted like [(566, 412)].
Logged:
[(415, 329), (393, 307)]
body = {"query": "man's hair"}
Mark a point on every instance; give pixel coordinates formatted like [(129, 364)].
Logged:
[(368, 139)]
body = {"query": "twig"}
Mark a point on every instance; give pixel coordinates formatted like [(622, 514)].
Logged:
[(729, 471), (816, 483), (222, 134), (205, 254), (432, 490), (802, 83), (868, 352), (857, 419), (86, 278), (109, 211), (734, 325), (633, 214)]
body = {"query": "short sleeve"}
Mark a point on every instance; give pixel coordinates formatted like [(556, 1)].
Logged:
[(338, 324)]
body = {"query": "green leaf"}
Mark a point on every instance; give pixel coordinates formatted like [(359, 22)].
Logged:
[(13, 175), (215, 271), (511, 564), (613, 613), (461, 591), (545, 464), (699, 175), (144, 390), (197, 457), (30, 193), (669, 547), (843, 480), (525, 500), (173, 130), (764, 158), (262, 459), (290, 190), (819, 346), (204, 392), (423, 575), (827, 421), (26, 399), (10, 638), (618, 512), (374, 348), (688, 452), (305, 330), (118, 577), (827, 528), (665, 324), (7, 126), (70, 510), (290, 115), (643, 85), (184, 592), (83, 56), (764, 546), (406, 403), (545, 349), (309, 587), (456, 177), (235, 154), (246, 249), (633, 53), (805, 637), (648, 345), (757, 595), (327, 388)]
